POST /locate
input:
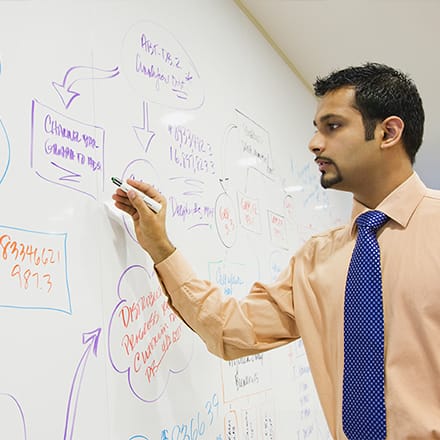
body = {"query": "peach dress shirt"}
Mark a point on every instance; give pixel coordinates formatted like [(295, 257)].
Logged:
[(307, 301)]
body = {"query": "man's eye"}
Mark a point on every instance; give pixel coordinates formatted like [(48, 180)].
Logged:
[(333, 126)]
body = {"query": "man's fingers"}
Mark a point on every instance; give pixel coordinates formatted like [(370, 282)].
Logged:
[(126, 208), (147, 189), (138, 203), (132, 201), (123, 203), (121, 198)]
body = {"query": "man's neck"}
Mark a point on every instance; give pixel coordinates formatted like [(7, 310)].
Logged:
[(378, 190)]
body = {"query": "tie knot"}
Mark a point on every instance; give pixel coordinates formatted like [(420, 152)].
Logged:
[(372, 220)]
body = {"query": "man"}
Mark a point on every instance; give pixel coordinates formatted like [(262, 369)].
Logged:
[(369, 126)]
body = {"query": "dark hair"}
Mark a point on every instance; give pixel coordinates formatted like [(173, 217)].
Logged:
[(381, 91)]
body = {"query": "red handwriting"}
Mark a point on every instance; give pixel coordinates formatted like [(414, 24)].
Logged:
[(250, 211), (130, 341), (21, 252), (31, 268), (142, 357), (131, 313), (28, 278), (152, 369), (151, 328)]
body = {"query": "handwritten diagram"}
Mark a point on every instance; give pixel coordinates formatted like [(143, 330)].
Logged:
[(80, 73), (65, 151), (158, 67), (143, 334), (91, 341), (33, 269), (163, 93)]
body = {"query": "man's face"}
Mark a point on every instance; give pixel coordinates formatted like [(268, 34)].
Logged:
[(345, 159)]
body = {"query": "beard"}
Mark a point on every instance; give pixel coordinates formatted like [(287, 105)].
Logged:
[(329, 180)]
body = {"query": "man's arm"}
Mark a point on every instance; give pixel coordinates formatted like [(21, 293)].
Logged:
[(264, 319)]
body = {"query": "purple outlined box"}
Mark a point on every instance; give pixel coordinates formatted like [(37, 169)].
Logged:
[(66, 151)]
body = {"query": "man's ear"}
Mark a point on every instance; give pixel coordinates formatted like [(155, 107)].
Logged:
[(392, 130)]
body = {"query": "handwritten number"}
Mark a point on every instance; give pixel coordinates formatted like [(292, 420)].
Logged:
[(48, 279), (16, 272), (201, 425), (25, 278)]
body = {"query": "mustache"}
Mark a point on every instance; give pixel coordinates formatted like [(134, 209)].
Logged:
[(323, 159)]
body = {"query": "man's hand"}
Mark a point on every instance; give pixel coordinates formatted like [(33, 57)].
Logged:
[(149, 227)]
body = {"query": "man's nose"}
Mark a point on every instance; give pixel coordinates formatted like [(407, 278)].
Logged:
[(316, 143)]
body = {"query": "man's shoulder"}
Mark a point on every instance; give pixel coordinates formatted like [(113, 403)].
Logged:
[(326, 241), (333, 233)]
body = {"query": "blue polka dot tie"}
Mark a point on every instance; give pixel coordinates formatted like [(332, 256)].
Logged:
[(363, 405)]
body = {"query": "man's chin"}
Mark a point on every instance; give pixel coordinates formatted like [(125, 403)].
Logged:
[(328, 181)]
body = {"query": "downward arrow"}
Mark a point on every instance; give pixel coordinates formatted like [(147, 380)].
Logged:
[(144, 135)]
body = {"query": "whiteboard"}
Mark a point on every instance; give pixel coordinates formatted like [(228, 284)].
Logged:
[(190, 97)]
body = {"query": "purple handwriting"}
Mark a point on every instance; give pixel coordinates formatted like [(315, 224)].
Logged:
[(190, 161), (159, 67), (189, 151), (66, 151), (54, 127), (155, 72), (153, 48), (186, 210), (185, 138)]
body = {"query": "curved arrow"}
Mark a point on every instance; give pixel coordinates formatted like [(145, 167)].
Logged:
[(90, 338), (80, 73)]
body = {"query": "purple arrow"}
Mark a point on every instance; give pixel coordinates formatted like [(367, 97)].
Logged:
[(91, 340), (144, 135), (80, 73)]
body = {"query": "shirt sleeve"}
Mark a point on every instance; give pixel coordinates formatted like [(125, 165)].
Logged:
[(231, 328)]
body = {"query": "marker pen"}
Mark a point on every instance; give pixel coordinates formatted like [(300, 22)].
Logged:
[(153, 204)]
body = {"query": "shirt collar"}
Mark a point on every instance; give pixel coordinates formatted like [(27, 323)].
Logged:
[(399, 205)]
